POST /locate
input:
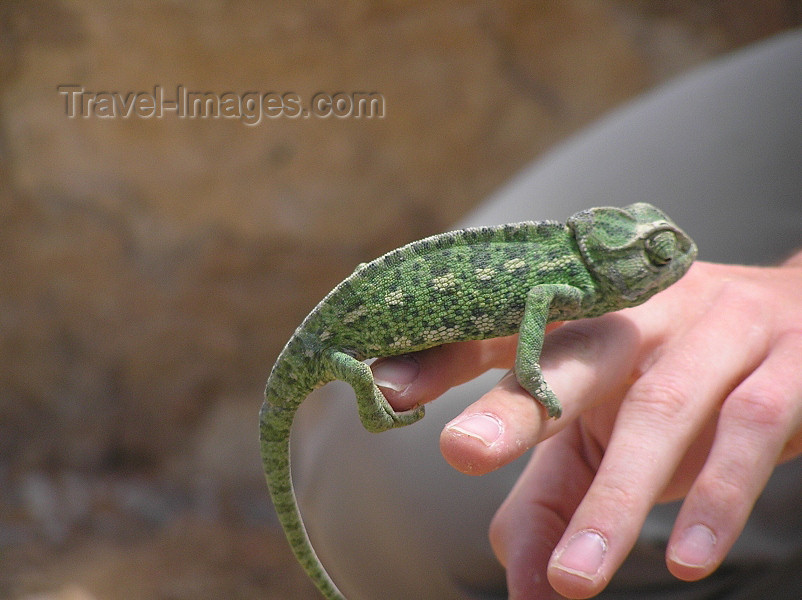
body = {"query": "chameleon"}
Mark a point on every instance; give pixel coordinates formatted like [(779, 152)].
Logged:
[(469, 284)]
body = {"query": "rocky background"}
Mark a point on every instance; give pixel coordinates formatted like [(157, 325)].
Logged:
[(151, 269)]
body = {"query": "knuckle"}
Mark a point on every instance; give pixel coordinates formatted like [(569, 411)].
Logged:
[(794, 338), (760, 408), (620, 496), (662, 397), (742, 296), (579, 341), (499, 530), (724, 488), (744, 306), (792, 448)]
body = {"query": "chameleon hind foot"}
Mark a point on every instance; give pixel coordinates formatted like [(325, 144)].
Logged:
[(375, 412)]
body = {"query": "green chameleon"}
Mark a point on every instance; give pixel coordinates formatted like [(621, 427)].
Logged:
[(470, 284)]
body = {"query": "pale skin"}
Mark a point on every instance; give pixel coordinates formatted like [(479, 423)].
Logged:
[(696, 394)]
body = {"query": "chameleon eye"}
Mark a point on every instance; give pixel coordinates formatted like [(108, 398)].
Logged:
[(661, 248)]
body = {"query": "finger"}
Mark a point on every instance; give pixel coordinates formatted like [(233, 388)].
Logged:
[(582, 368), (756, 420), (531, 520), (414, 379), (657, 421)]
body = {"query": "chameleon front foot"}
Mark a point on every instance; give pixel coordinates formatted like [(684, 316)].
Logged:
[(541, 392), (549, 401)]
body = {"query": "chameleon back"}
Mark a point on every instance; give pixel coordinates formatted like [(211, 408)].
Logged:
[(465, 285)]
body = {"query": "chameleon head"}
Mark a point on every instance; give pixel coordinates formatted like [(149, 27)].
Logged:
[(633, 252)]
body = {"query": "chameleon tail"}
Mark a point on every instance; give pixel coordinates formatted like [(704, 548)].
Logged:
[(274, 430)]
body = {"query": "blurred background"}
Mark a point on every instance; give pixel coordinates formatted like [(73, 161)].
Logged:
[(152, 268)]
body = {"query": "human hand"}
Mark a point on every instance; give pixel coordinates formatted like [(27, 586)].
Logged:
[(695, 394)]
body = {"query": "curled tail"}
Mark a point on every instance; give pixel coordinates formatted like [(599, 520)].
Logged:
[(290, 381), (274, 432)]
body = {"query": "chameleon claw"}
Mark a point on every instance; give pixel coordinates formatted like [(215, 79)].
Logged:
[(553, 407), (408, 417), (377, 415)]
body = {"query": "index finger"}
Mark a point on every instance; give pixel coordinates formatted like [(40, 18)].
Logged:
[(413, 379), (585, 362)]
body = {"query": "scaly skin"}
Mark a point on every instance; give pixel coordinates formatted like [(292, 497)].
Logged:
[(465, 285)]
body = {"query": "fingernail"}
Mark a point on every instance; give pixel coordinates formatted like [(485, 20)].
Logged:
[(484, 427), (694, 548), (395, 373), (584, 555)]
